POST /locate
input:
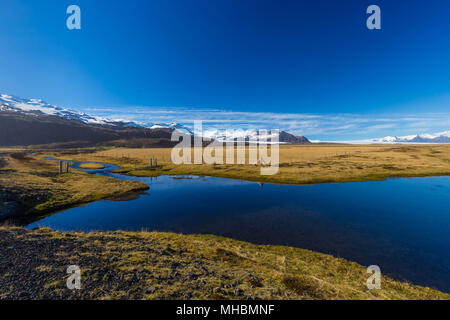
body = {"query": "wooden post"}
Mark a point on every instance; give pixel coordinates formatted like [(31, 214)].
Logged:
[(60, 167), (151, 163)]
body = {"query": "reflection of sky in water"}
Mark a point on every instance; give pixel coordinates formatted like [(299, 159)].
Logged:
[(402, 225)]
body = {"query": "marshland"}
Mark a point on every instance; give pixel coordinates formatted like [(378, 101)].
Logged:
[(305, 205)]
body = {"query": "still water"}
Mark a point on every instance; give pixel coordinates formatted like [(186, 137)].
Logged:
[(401, 225)]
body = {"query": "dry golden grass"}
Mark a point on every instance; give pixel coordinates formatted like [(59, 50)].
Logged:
[(298, 164), (208, 266), (189, 267), (38, 186), (91, 166)]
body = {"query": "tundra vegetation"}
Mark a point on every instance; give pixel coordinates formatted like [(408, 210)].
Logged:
[(143, 265), (300, 164), (37, 188), (169, 266), (35, 184)]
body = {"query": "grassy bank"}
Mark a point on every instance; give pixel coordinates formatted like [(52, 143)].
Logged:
[(130, 265), (298, 164), (37, 187), (91, 166)]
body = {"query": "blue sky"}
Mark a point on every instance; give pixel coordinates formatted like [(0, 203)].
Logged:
[(308, 66)]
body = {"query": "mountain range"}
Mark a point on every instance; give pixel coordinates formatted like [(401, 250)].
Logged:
[(441, 137), (435, 138), (35, 122)]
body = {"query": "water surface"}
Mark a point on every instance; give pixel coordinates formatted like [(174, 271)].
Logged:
[(401, 225)]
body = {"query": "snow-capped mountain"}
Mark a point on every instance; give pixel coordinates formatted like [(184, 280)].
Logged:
[(268, 136), (174, 126), (40, 111), (37, 106), (441, 137), (35, 122), (235, 135)]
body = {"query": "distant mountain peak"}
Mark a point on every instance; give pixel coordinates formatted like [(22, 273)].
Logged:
[(173, 125), (441, 137), (38, 107)]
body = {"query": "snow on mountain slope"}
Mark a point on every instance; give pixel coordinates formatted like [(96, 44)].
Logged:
[(441, 137), (38, 107), (243, 135), (263, 136), (174, 126), (31, 106)]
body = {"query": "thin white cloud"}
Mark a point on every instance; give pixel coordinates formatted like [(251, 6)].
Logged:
[(319, 126)]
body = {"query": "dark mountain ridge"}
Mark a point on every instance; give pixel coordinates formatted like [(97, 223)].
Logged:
[(25, 122)]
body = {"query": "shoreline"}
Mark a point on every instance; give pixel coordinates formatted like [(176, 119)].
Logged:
[(23, 213), (287, 183), (299, 165), (287, 285), (37, 190)]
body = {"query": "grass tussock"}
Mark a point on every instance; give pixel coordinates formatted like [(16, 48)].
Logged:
[(304, 286)]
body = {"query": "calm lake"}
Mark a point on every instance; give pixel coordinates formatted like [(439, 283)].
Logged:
[(401, 225)]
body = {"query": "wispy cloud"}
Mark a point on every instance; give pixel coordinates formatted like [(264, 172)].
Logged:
[(316, 126)]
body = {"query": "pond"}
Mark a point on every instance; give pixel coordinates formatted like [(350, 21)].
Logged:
[(402, 225)]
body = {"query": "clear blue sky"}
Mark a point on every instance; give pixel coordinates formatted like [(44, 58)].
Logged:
[(313, 56)]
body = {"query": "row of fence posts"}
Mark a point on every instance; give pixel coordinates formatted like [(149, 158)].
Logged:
[(64, 167), (153, 162)]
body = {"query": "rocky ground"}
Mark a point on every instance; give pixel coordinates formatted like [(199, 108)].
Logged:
[(120, 265)]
